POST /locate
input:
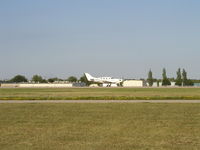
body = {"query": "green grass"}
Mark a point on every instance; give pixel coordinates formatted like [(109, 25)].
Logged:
[(98, 93), (100, 126)]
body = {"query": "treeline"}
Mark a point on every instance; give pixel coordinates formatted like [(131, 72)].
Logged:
[(180, 80), (40, 79)]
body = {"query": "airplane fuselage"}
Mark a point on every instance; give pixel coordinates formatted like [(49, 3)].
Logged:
[(103, 80)]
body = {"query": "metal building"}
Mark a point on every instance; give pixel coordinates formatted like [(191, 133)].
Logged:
[(133, 83)]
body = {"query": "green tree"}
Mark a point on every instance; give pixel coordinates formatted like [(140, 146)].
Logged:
[(186, 81), (165, 80), (184, 75), (178, 78), (44, 81), (38, 79), (190, 82), (158, 83), (18, 79), (51, 80), (72, 79), (150, 78)]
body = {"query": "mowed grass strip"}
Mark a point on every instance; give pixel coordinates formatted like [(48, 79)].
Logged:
[(99, 126), (98, 93)]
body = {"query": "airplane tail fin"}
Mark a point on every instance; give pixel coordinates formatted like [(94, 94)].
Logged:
[(88, 76)]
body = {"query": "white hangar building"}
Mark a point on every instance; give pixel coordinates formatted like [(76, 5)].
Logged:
[(134, 83)]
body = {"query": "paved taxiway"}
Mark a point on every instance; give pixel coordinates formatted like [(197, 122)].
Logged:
[(99, 101)]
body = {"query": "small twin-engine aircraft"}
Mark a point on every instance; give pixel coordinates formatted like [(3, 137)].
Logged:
[(105, 81)]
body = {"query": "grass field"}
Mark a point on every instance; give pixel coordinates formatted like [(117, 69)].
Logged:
[(100, 126), (98, 93)]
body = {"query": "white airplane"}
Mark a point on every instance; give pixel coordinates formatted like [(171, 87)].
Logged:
[(105, 81)]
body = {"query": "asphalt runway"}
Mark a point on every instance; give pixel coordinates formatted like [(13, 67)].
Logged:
[(98, 101)]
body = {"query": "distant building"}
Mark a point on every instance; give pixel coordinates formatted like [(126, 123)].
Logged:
[(39, 85), (61, 82), (134, 83), (156, 84), (197, 84)]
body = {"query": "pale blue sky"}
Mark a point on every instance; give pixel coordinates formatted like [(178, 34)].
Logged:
[(120, 38)]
